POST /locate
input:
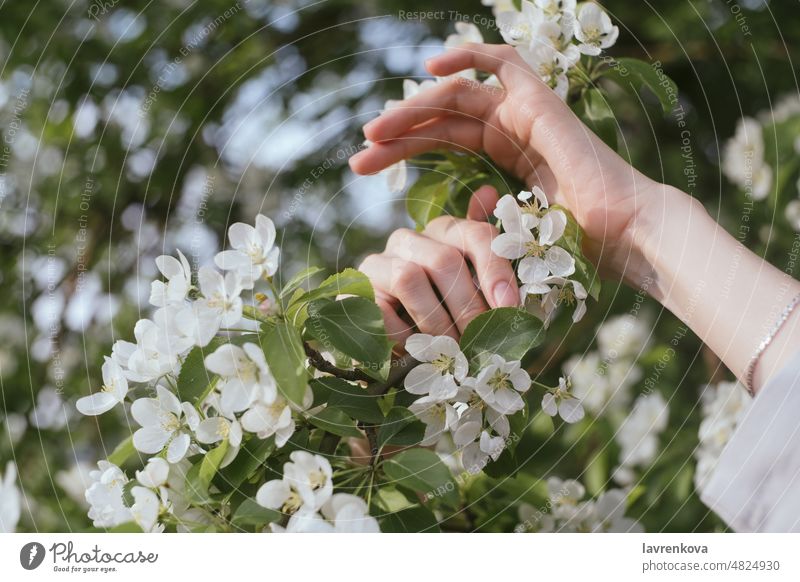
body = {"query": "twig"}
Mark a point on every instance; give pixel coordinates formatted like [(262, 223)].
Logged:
[(324, 365), (400, 369), (372, 439)]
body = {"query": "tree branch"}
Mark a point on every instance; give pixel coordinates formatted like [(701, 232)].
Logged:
[(399, 370), (324, 365)]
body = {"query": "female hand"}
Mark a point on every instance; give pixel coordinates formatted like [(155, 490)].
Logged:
[(530, 132), (428, 276)]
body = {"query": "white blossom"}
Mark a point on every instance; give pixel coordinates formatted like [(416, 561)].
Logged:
[(254, 253), (165, 422), (178, 274), (623, 336), (221, 429), (518, 240), (560, 401), (145, 509), (270, 419), (442, 366), (114, 390), (155, 355), (219, 306), (723, 406), (501, 383), (499, 6), (743, 159), (154, 474), (245, 376), (307, 484), (16, 425), (465, 33), (51, 411), (571, 513), (638, 434), (609, 514), (104, 496), (75, 480), (594, 30), (792, 214), (438, 417), (564, 291), (349, 514), (549, 64), (10, 500)]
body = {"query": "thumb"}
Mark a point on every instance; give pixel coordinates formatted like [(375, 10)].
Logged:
[(482, 203)]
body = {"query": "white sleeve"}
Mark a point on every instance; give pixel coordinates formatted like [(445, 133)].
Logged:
[(756, 484)]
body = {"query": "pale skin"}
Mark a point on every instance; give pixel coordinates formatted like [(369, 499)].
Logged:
[(651, 235)]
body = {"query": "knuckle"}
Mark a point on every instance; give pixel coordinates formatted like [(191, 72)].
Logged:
[(436, 321), (440, 224), (481, 232), (446, 259), (469, 312), (367, 263), (406, 277), (400, 238)]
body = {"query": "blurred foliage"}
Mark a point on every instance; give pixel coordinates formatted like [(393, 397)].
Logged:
[(133, 127)]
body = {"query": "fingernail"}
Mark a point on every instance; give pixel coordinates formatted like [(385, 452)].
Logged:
[(505, 295)]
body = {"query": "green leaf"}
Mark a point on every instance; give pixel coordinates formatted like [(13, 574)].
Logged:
[(348, 282), (411, 520), (353, 400), (295, 282), (251, 458), (426, 199), (422, 471), (353, 326), (122, 452), (283, 350), (597, 114), (251, 514), (335, 421), (200, 475), (633, 75), (127, 494), (401, 428), (194, 378), (506, 331), (596, 473)]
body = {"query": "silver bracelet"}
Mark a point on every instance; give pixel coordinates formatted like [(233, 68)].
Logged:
[(751, 367)]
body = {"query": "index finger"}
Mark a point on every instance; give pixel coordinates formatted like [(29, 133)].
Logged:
[(500, 59)]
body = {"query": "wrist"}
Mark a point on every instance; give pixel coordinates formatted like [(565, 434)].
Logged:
[(660, 238)]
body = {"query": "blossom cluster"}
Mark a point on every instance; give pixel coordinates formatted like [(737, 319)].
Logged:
[(568, 512), (551, 36), (156, 495), (723, 406), (603, 380), (531, 231), (744, 160), (305, 494), (243, 398), (473, 410)]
